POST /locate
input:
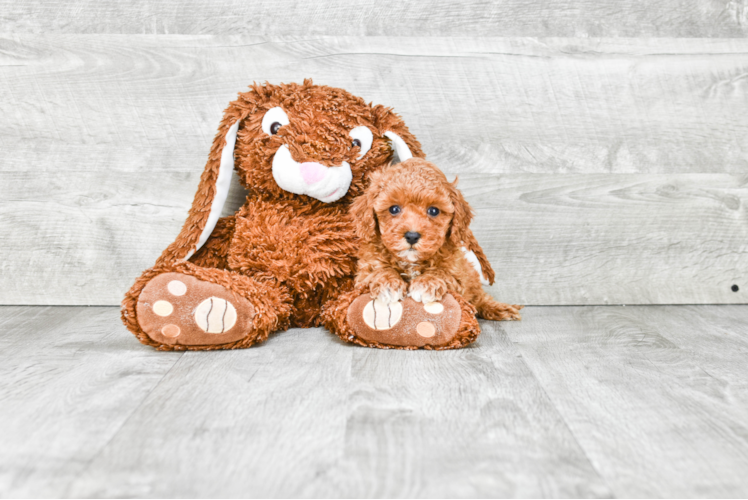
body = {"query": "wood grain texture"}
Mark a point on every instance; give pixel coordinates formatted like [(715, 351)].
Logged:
[(71, 377), (564, 239), (582, 18), (572, 401), (613, 239), (152, 103), (306, 415), (656, 396)]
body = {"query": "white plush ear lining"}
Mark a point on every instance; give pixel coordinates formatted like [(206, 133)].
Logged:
[(473, 259), (223, 183), (402, 149)]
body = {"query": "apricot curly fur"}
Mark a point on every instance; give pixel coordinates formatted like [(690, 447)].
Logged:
[(414, 197)]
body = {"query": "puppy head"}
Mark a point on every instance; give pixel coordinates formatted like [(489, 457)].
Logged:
[(412, 209)]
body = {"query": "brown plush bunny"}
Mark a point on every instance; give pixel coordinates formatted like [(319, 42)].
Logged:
[(303, 152)]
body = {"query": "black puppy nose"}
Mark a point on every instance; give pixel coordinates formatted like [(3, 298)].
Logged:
[(412, 237)]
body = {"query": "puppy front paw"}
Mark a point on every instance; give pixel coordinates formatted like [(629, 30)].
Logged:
[(388, 290), (427, 289)]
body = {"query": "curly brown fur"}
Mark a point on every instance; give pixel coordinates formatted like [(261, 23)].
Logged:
[(215, 252), (413, 199)]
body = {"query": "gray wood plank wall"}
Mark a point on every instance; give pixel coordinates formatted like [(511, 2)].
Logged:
[(570, 18), (602, 169)]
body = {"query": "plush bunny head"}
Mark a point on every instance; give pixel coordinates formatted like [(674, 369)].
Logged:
[(314, 141), (294, 140)]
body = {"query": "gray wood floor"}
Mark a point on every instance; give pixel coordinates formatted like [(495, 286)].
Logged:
[(572, 401)]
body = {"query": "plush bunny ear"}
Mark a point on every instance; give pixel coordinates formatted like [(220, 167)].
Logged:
[(221, 191), (401, 148), (211, 194), (403, 141)]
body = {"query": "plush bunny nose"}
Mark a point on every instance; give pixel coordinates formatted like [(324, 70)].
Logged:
[(312, 172), (412, 237)]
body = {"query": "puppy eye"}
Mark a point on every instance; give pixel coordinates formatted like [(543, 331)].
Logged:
[(394, 210), (362, 137), (432, 211), (273, 120)]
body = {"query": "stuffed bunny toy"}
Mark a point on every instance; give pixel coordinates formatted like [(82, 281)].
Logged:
[(304, 153)]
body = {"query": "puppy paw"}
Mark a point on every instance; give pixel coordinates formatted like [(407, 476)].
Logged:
[(388, 290), (427, 289)]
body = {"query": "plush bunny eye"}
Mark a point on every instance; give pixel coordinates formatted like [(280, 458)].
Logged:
[(273, 120), (394, 209), (432, 211), (362, 137)]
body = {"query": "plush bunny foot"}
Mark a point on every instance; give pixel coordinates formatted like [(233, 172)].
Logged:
[(177, 309), (179, 306), (448, 324)]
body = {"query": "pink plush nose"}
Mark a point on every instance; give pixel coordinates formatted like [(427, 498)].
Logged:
[(312, 172)]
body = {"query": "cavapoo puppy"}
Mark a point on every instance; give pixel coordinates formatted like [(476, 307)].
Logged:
[(412, 225)]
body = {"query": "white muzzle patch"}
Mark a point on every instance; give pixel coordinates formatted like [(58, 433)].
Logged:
[(326, 184)]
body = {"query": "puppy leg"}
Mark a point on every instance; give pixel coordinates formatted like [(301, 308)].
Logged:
[(427, 288), (384, 285), (488, 308)]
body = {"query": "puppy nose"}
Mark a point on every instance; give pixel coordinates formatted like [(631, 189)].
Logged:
[(412, 237), (312, 172)]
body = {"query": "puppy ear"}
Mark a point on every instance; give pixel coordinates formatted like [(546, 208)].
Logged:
[(213, 188), (459, 231), (362, 209), (364, 221)]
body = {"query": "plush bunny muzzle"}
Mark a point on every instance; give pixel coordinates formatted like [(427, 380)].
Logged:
[(326, 184)]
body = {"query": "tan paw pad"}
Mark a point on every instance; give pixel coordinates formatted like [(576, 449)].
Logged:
[(425, 329), (433, 308), (163, 308), (380, 316), (177, 288), (215, 315), (171, 331)]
